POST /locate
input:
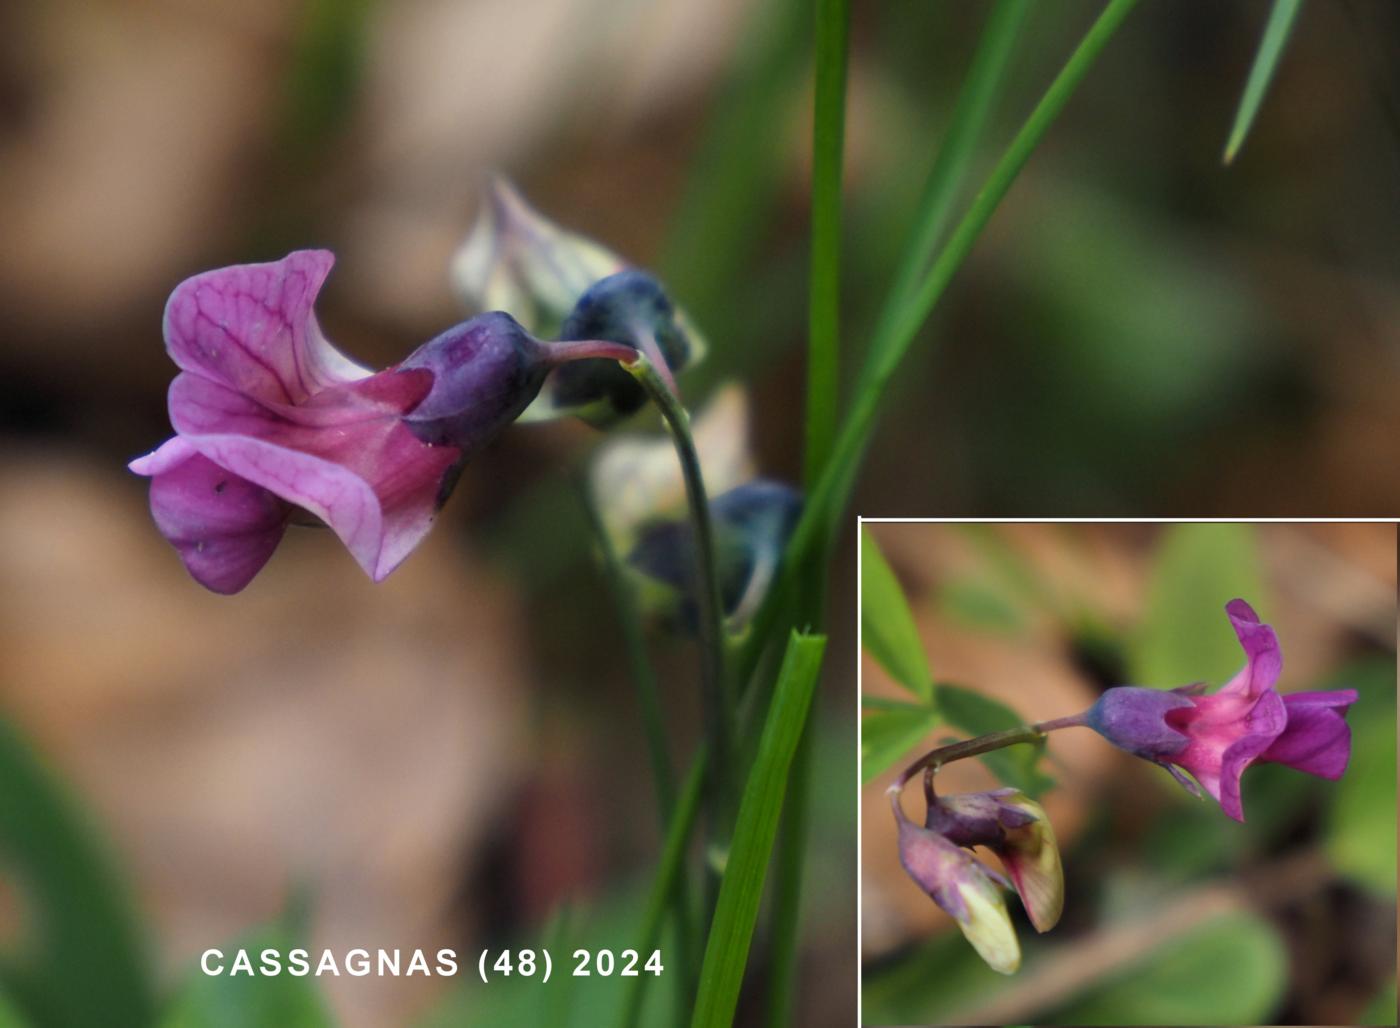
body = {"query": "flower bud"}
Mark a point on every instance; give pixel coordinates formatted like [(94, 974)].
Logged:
[(517, 260), (963, 887), (1015, 828), (631, 308), (752, 524)]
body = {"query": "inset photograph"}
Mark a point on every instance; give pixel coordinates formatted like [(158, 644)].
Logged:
[(1128, 773)]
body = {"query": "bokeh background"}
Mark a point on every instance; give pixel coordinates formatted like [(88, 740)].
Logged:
[(453, 755), (1174, 913)]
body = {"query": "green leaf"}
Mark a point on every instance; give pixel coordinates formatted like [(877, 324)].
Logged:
[(251, 1001), (1271, 44), (889, 733), (979, 604), (81, 958), (887, 625), (1381, 1009), (10, 1017), (1231, 970), (976, 714), (1361, 822), (1185, 635), (736, 911)]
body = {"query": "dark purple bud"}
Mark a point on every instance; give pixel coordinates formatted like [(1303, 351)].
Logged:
[(752, 524), (979, 818), (1135, 719), (631, 308), (485, 372)]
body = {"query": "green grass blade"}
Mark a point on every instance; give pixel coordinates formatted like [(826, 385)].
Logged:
[(985, 77), (731, 932), (81, 958), (821, 515), (1275, 38), (823, 295)]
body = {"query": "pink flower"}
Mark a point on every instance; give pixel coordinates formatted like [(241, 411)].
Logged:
[(1216, 737), (272, 423)]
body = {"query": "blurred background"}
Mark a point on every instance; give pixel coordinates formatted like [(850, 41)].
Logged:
[(1174, 913), (454, 756)]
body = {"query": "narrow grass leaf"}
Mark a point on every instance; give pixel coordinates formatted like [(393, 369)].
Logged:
[(1271, 44), (731, 932), (887, 625)]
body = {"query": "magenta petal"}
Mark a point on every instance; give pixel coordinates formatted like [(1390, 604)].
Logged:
[(1261, 728), (223, 526), (371, 480), (252, 328), (1317, 739), (1264, 658)]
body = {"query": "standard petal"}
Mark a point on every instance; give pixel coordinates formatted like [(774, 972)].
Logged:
[(375, 484), (252, 327), (223, 526), (1317, 739), (1263, 657)]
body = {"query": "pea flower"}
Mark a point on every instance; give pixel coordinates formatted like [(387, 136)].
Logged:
[(964, 887), (1216, 737), (559, 283), (1015, 828), (273, 424)]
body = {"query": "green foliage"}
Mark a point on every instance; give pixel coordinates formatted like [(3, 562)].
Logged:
[(1184, 635), (1381, 1009), (1361, 822), (250, 1001), (887, 624), (1231, 970), (1271, 44), (736, 911), (1016, 766), (566, 1001), (931, 983), (81, 960), (890, 730), (980, 604)]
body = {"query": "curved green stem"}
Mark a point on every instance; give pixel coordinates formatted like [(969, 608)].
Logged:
[(719, 701), (937, 758)]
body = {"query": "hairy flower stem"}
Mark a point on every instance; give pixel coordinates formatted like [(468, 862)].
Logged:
[(931, 761)]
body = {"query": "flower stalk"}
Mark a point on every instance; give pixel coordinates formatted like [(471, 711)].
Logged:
[(718, 697)]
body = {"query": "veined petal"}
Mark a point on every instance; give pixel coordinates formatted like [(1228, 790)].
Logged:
[(1317, 739), (1032, 859), (223, 526), (372, 481), (252, 328)]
